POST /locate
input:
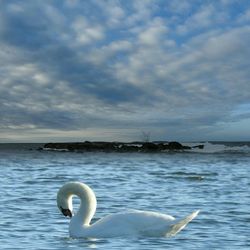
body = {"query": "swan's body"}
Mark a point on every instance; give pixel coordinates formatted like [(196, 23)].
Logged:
[(130, 223)]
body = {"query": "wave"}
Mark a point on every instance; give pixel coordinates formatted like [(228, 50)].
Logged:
[(220, 147)]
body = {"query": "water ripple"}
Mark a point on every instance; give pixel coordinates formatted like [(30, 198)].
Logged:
[(175, 183)]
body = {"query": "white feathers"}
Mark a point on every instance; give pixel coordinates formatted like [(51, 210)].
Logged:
[(129, 223)]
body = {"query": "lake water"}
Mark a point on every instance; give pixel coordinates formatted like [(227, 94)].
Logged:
[(217, 182)]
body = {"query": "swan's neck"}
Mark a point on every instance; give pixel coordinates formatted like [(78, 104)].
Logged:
[(88, 206), (88, 203)]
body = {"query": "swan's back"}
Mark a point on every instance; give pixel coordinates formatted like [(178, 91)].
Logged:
[(131, 223)]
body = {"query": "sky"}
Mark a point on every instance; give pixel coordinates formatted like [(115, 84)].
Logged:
[(73, 70)]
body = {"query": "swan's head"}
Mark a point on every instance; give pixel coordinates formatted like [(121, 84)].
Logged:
[(82, 191), (64, 200)]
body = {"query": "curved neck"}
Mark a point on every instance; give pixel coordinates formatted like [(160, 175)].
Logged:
[(88, 202), (88, 205)]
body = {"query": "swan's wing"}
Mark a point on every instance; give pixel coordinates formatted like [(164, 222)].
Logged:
[(136, 222), (154, 224), (132, 222), (180, 224)]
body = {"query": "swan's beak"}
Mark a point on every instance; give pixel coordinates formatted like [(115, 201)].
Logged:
[(66, 212)]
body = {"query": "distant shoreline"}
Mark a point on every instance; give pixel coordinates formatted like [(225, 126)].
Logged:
[(102, 146)]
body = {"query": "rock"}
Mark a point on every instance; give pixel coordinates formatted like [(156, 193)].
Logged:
[(173, 145), (149, 146), (88, 146), (128, 148)]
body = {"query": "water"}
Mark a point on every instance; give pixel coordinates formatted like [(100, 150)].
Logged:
[(175, 183)]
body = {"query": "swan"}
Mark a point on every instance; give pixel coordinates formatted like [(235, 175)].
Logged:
[(129, 223)]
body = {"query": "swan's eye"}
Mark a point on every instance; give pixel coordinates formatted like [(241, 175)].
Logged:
[(66, 212)]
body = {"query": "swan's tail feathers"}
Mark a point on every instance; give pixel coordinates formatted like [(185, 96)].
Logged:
[(180, 224)]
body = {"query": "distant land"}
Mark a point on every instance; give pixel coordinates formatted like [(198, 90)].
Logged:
[(100, 146)]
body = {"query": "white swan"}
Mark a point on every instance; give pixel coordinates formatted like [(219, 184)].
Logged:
[(130, 223)]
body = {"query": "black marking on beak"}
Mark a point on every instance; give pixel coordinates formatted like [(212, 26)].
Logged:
[(66, 212)]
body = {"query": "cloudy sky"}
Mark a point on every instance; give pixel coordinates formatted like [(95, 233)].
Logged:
[(74, 70)]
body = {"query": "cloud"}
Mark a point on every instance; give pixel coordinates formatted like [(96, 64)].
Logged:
[(177, 70), (206, 17), (153, 34), (244, 17), (86, 33)]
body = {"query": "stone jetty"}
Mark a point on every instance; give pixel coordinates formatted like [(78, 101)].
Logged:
[(96, 146)]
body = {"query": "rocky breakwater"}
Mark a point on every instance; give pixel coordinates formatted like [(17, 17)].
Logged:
[(146, 147)]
